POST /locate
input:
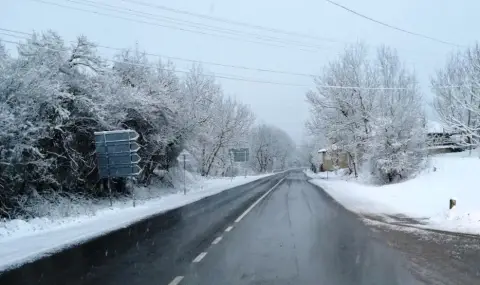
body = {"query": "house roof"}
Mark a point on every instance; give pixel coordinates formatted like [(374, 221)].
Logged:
[(437, 127)]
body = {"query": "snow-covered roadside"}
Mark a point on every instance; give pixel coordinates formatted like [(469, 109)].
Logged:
[(21, 241), (425, 197)]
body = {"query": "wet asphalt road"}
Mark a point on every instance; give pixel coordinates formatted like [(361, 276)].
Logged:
[(164, 246), (298, 235)]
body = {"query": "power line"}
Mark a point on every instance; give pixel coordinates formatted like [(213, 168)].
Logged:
[(179, 58), (157, 17), (191, 60), (231, 22), (16, 32), (183, 29), (393, 27), (12, 35), (216, 75), (225, 76), (162, 25), (225, 35), (235, 78)]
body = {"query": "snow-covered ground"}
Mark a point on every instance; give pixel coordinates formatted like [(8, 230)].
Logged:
[(425, 197), (21, 241)]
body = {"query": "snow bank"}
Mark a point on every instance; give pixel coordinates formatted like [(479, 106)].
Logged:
[(425, 197), (21, 241)]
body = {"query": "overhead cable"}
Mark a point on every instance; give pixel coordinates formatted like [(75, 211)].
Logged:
[(202, 26), (179, 58), (393, 27), (231, 22), (225, 35), (216, 75), (233, 77)]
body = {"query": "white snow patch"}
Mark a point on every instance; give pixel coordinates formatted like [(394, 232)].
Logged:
[(22, 241), (424, 197)]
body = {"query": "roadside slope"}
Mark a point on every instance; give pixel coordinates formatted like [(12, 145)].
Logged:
[(24, 241), (423, 200)]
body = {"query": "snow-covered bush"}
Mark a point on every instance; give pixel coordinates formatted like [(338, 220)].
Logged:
[(270, 149), (54, 96)]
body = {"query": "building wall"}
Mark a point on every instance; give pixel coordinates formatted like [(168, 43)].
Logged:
[(328, 162)]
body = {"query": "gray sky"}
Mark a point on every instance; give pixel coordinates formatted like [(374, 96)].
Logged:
[(283, 106)]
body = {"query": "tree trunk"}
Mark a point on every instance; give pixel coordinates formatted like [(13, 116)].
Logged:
[(354, 164), (212, 160)]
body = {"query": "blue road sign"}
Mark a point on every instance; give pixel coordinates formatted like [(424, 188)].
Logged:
[(119, 147), (118, 159), (117, 153), (125, 170), (240, 154), (116, 136)]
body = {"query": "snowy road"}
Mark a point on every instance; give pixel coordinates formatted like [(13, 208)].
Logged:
[(291, 233)]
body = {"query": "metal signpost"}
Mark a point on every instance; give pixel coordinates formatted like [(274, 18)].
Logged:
[(183, 154), (184, 174), (240, 155), (117, 154)]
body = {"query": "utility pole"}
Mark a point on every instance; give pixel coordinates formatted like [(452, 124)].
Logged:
[(184, 175)]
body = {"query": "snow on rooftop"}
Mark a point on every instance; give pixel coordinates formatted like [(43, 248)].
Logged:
[(435, 127)]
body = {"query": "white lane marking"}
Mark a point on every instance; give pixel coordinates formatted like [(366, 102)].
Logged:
[(258, 201), (200, 257), (176, 280), (217, 240), (229, 229)]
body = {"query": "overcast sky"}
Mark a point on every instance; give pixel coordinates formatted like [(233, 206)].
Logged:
[(283, 106)]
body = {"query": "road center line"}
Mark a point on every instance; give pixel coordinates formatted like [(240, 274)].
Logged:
[(258, 201), (229, 229), (217, 240), (199, 257), (176, 280)]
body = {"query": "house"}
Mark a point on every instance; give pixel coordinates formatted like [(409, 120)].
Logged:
[(441, 139), (332, 160)]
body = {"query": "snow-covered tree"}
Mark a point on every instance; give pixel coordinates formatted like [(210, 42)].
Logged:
[(54, 96), (371, 110), (457, 95), (3, 54), (148, 100), (201, 95), (227, 128), (218, 122), (47, 97), (397, 146), (270, 148), (344, 115)]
